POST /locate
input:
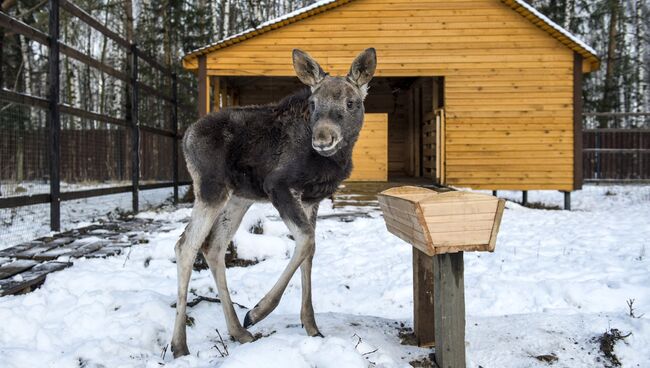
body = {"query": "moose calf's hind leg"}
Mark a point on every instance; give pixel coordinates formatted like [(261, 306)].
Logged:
[(215, 254), (186, 249)]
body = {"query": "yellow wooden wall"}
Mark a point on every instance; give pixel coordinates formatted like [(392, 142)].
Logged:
[(508, 84), (370, 154)]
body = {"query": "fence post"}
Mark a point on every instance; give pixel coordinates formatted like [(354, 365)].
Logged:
[(54, 118), (175, 138), (135, 129)]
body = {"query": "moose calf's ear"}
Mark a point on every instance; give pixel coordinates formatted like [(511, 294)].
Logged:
[(363, 67), (307, 69)]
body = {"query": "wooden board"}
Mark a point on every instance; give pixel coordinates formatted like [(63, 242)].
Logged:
[(370, 155)]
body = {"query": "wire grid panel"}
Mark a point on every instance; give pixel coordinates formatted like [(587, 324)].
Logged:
[(94, 154), (155, 158), (25, 223), (23, 151)]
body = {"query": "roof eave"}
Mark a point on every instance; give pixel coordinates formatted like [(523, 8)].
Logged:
[(519, 6), (262, 29)]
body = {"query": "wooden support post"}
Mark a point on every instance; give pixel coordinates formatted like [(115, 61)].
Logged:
[(567, 201), (577, 122), (54, 118), (423, 304), (235, 98), (231, 96), (175, 137), (417, 117), (135, 131), (204, 88), (449, 309), (216, 94), (524, 197), (223, 90), (411, 134)]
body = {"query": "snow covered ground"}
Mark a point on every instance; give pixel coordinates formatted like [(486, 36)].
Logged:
[(557, 280)]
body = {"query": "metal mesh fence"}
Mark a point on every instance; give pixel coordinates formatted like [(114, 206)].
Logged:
[(617, 121), (96, 145), (20, 224), (155, 158), (94, 154), (23, 150), (24, 170)]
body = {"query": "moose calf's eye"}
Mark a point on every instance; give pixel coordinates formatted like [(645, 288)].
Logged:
[(350, 104)]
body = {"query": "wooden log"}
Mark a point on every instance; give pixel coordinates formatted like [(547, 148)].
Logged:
[(31, 278), (15, 267), (30, 253), (449, 310), (12, 251)]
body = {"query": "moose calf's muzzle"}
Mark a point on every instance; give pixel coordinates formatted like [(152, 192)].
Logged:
[(325, 138)]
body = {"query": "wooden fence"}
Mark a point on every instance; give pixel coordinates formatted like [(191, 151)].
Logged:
[(134, 151), (614, 153)]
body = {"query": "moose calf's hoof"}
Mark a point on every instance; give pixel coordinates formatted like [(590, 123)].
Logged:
[(180, 350), (318, 334), (244, 337), (248, 320)]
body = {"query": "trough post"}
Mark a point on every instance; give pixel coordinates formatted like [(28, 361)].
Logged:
[(175, 137), (135, 130), (423, 298), (449, 309), (54, 118)]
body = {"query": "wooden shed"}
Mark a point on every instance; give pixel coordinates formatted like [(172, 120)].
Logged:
[(483, 94)]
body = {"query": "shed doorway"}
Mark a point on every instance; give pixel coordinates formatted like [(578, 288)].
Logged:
[(404, 134)]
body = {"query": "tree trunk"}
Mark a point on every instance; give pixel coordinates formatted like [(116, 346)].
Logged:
[(640, 97), (225, 31), (569, 13), (22, 128), (609, 92), (128, 24)]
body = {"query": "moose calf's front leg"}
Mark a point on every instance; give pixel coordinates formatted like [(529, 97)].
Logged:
[(294, 217), (307, 309)]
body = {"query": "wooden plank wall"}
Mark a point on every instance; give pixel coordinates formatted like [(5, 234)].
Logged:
[(508, 86), (370, 155)]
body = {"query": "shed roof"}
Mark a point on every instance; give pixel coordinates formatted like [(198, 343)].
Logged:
[(520, 6)]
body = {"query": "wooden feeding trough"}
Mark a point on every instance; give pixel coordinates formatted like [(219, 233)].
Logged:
[(441, 225)]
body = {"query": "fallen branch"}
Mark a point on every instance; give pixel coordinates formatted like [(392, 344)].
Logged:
[(200, 298)]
